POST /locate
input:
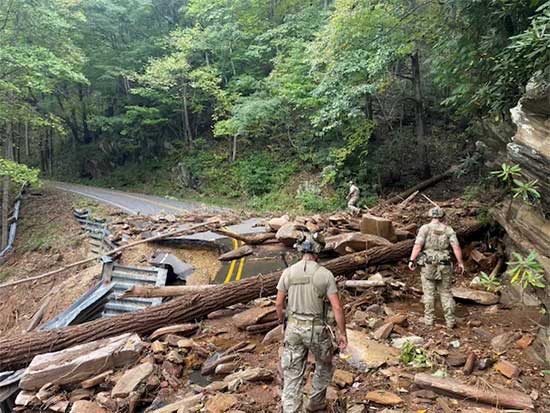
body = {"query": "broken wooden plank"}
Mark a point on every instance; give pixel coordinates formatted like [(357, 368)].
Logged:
[(240, 252)]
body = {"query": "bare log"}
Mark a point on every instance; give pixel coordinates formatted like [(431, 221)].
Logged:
[(240, 252), (423, 185), (112, 252), (146, 291), (505, 398), (18, 351), (364, 283), (250, 239)]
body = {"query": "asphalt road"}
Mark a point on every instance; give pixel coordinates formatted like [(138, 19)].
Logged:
[(133, 203)]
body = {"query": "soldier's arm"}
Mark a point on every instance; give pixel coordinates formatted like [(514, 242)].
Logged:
[(282, 288), (280, 306), (418, 244), (340, 317), (457, 251)]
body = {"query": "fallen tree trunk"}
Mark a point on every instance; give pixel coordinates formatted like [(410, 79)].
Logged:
[(146, 291), (505, 398), (250, 239), (18, 351), (423, 185)]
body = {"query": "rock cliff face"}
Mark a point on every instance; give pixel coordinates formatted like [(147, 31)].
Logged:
[(528, 227)]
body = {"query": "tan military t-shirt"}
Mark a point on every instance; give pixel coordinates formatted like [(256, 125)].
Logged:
[(303, 295)]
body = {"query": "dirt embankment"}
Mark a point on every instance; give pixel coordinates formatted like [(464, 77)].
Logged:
[(48, 237)]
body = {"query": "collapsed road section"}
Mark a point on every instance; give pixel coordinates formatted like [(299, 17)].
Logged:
[(182, 345)]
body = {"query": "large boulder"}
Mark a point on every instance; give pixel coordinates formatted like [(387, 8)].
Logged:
[(289, 233), (353, 242), (379, 226), (81, 362)]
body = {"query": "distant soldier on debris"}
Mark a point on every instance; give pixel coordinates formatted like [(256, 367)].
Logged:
[(311, 290), (353, 198), (432, 250)]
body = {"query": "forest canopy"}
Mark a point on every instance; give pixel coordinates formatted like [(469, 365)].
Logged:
[(194, 91)]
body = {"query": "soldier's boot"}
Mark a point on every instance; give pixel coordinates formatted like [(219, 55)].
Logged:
[(318, 408)]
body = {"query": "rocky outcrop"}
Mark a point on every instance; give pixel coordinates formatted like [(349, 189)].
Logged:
[(531, 144), (528, 227)]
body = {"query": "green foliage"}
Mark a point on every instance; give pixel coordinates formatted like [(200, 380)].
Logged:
[(19, 173), (526, 271), (491, 284), (527, 191), (414, 356), (507, 173)]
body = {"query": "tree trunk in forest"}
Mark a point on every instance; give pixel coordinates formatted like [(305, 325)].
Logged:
[(419, 115), (84, 107), (186, 123), (41, 151), (27, 141), (234, 149), (6, 187), (50, 150), (17, 351)]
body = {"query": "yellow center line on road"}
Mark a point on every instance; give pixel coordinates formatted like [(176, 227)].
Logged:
[(241, 267), (233, 264)]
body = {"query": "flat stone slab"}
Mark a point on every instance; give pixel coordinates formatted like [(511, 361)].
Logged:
[(477, 296), (369, 354), (81, 362), (131, 379)]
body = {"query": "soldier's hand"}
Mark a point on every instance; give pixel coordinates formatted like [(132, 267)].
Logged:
[(342, 342), (412, 265), (460, 268)]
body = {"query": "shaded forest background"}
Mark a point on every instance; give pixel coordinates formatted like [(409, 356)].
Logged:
[(278, 102)]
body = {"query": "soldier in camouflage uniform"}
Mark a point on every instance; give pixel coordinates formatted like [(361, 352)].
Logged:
[(432, 250), (310, 289), (353, 198)]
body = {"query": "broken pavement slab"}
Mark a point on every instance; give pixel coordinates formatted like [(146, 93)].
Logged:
[(369, 354), (131, 379), (81, 362), (477, 296)]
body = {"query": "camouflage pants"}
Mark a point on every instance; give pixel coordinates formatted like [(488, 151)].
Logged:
[(352, 205), (299, 339), (438, 279)]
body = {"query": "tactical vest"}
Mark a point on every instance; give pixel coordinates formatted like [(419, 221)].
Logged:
[(297, 277), (436, 245)]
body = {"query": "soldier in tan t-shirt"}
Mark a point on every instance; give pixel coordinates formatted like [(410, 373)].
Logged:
[(434, 241), (310, 289)]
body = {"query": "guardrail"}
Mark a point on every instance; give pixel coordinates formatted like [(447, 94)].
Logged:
[(97, 231), (13, 226)]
